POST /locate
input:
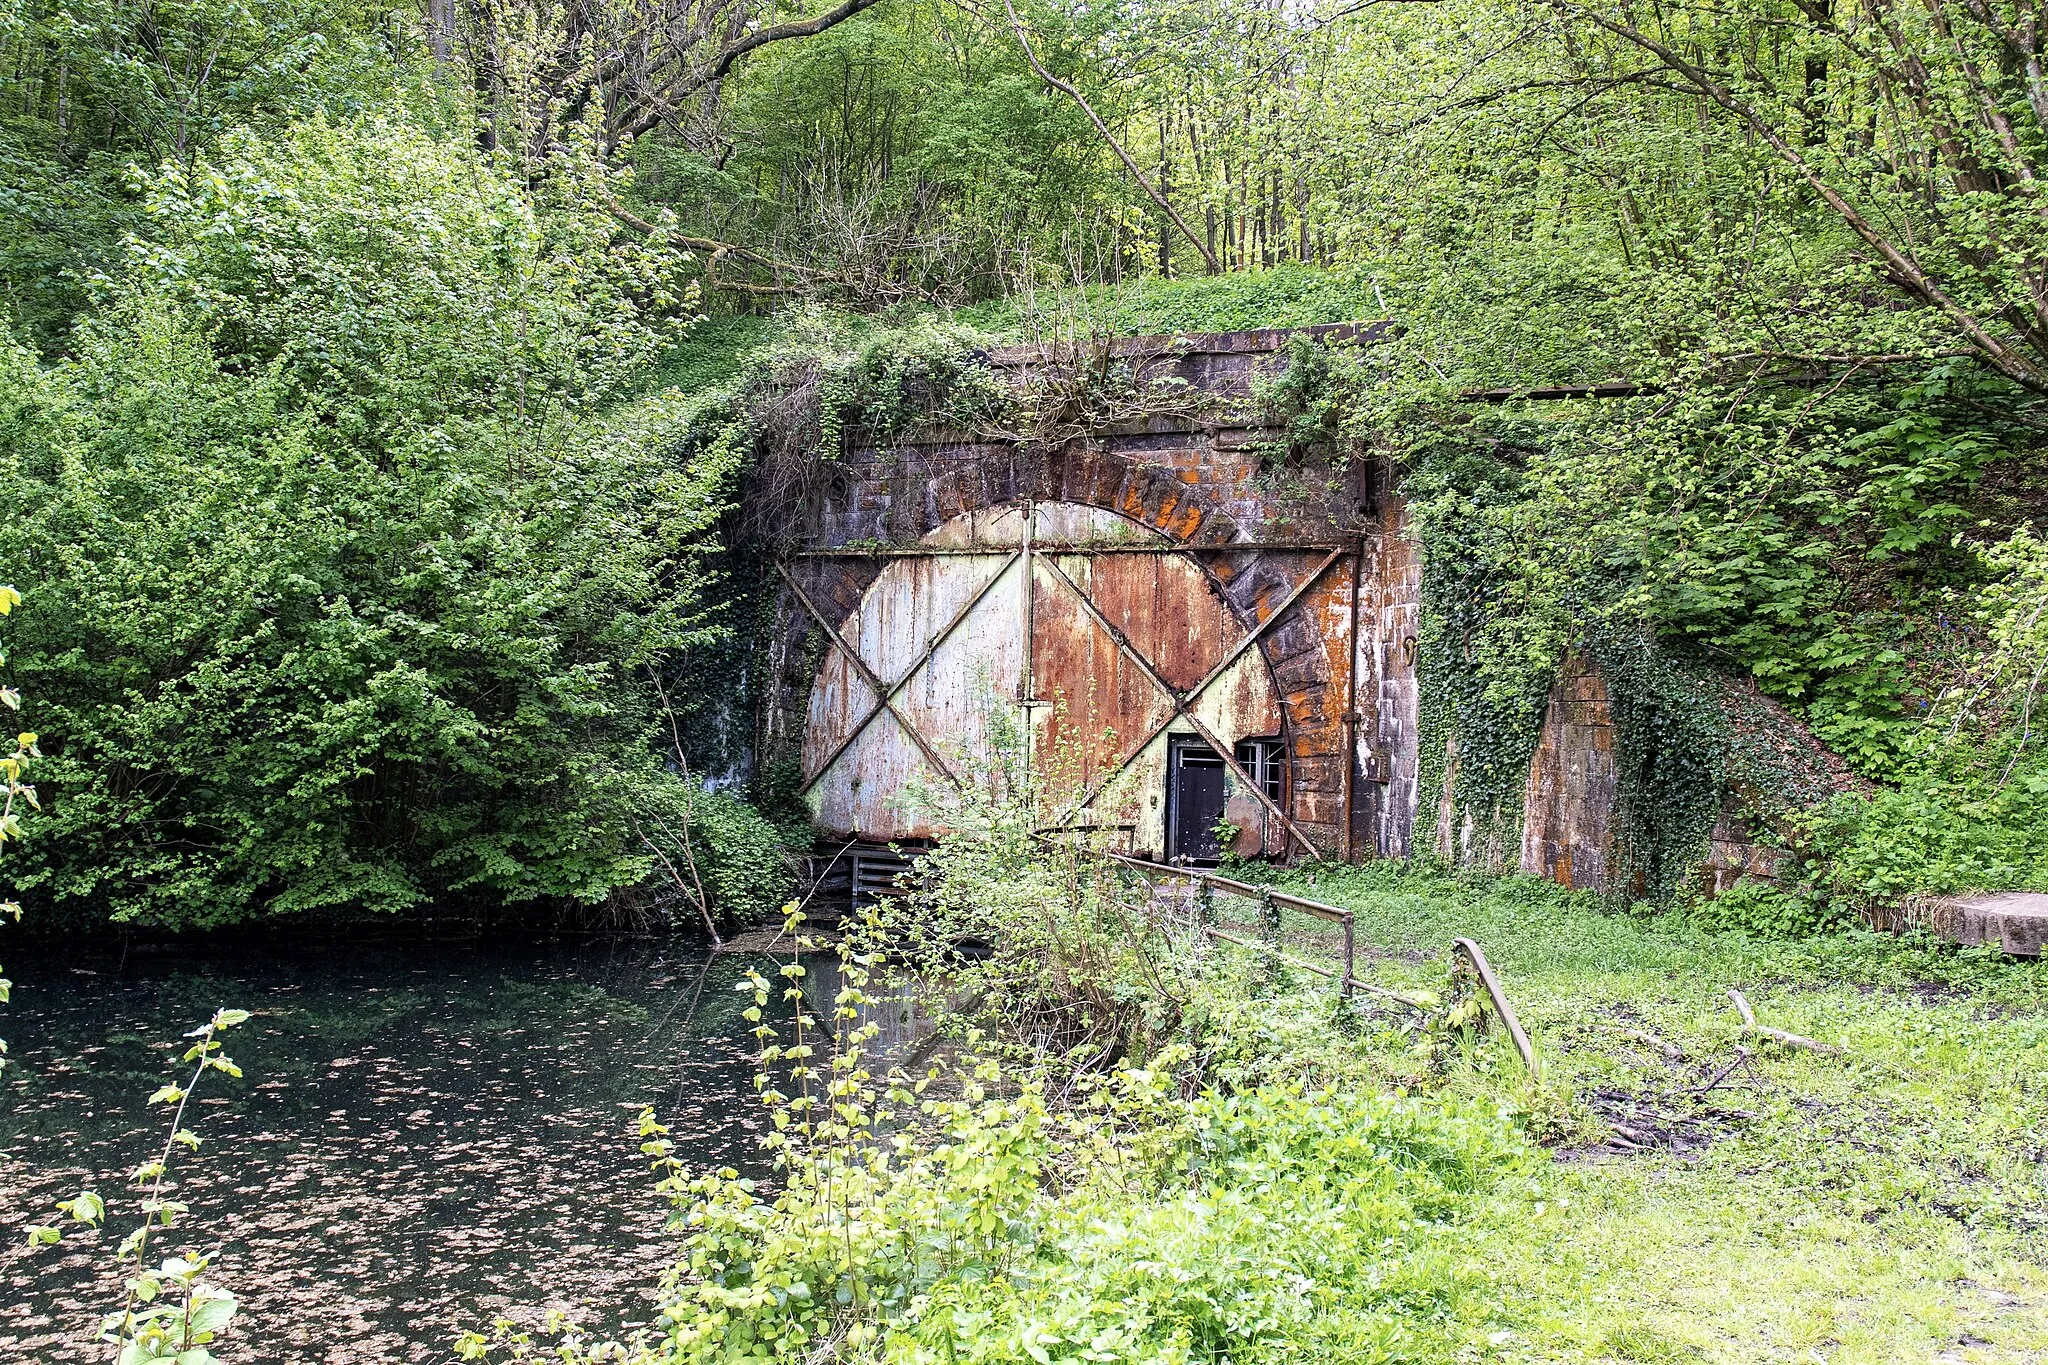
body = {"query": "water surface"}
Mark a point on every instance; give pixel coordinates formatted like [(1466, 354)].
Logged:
[(424, 1137)]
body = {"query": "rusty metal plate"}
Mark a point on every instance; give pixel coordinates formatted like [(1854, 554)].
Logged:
[(1099, 697)]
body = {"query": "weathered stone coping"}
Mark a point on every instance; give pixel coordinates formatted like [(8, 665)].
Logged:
[(2014, 922)]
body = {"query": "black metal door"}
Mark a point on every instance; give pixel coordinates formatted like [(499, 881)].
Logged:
[(1194, 800)]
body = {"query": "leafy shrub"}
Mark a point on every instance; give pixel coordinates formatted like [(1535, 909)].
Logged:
[(346, 575), (1764, 911), (740, 855), (1132, 1224), (1956, 823), (1068, 961), (1970, 808)]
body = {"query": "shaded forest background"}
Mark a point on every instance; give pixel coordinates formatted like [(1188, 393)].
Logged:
[(378, 378)]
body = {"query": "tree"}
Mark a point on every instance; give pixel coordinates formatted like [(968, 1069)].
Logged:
[(543, 69), (352, 541), (1922, 129)]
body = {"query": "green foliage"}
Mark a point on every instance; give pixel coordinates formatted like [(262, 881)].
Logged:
[(1671, 743), (1286, 296), (1482, 673), (740, 856), (1077, 964), (897, 379), (1968, 810), (96, 88), (1127, 1224), (171, 1314), (13, 768), (928, 153), (1959, 821), (1765, 911), (349, 576)]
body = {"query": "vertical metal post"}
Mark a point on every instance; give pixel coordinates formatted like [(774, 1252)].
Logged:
[(1351, 712), (1350, 949), (1028, 682), (1030, 603)]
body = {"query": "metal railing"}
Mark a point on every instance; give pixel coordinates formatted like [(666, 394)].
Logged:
[(1346, 978), (1265, 895)]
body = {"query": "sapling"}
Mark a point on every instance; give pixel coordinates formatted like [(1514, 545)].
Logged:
[(171, 1314), (12, 767)]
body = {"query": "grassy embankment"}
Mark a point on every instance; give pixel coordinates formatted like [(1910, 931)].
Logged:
[(1886, 1204), (1294, 1178)]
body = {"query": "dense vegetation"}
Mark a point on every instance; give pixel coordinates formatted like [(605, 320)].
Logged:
[(366, 498), (1153, 1149), (379, 380)]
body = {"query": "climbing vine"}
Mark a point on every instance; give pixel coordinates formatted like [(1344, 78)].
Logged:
[(1670, 748), (1507, 606), (1482, 675)]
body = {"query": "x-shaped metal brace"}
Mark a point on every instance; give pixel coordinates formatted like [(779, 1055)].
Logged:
[(1183, 702), (886, 695)]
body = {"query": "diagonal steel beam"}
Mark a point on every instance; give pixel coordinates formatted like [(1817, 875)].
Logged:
[(1230, 761), (1130, 651), (1254, 635), (909, 673), (868, 676), (1208, 737), (1194, 694)]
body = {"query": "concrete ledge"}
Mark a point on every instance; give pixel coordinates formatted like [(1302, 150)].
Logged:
[(2015, 922)]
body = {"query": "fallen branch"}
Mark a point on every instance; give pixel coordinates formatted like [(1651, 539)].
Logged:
[(1777, 1035), (1644, 1036), (1741, 1056)]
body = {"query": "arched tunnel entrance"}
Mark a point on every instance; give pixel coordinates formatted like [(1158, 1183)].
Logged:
[(1093, 644)]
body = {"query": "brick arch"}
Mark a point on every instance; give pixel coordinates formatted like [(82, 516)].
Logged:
[(898, 495), (924, 487)]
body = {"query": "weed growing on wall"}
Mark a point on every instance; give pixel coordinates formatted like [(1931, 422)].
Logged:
[(1550, 539), (1670, 750)]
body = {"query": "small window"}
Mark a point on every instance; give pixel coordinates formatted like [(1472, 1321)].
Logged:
[(1266, 761)]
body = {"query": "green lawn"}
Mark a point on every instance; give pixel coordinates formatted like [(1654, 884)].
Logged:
[(1887, 1204)]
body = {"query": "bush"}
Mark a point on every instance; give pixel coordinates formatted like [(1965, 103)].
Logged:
[(1763, 911), (740, 855), (1958, 822), (1063, 957), (1131, 1224), (348, 568), (1970, 808)]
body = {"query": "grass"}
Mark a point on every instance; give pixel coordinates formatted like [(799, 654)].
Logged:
[(1302, 1178), (1887, 1204)]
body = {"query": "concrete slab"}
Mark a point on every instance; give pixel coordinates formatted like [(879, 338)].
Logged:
[(2015, 921)]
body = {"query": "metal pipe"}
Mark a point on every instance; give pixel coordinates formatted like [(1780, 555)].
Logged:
[(1477, 958)]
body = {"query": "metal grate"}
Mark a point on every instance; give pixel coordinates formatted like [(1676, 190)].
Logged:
[(876, 870)]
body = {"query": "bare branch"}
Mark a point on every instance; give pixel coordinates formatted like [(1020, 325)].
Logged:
[(1017, 26)]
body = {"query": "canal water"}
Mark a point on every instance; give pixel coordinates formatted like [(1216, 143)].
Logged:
[(424, 1138)]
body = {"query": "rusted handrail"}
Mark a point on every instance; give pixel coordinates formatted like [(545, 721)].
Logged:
[(1477, 958), (1237, 888), (1345, 981), (1380, 991)]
